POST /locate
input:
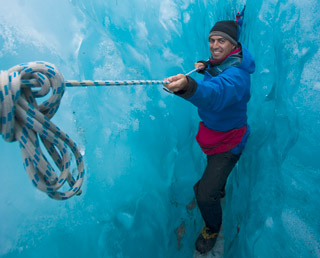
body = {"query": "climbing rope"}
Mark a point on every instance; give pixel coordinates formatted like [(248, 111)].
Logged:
[(72, 83), (23, 119)]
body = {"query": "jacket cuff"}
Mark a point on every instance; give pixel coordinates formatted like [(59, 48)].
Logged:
[(206, 63), (189, 92)]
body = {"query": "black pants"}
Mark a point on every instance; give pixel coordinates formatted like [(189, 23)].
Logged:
[(209, 188)]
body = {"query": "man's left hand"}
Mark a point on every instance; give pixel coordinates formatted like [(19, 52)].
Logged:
[(177, 83)]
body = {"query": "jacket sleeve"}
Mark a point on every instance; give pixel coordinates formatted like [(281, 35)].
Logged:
[(218, 92)]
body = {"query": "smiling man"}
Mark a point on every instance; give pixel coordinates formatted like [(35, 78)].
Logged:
[(221, 98)]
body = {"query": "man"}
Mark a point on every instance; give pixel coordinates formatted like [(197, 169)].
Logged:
[(221, 98)]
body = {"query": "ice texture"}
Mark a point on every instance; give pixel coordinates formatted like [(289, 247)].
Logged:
[(139, 141)]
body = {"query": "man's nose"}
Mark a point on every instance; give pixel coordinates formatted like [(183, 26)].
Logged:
[(215, 44)]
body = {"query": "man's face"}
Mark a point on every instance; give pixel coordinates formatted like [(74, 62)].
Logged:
[(220, 47)]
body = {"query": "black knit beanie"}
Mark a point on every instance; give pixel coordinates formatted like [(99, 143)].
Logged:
[(226, 29)]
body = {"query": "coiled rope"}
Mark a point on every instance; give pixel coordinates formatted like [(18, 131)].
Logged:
[(23, 119)]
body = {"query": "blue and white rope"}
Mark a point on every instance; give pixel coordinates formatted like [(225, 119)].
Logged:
[(23, 120), (73, 83)]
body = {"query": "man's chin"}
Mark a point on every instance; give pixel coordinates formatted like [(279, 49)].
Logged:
[(217, 57)]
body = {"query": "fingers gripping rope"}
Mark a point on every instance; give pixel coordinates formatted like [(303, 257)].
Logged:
[(23, 120)]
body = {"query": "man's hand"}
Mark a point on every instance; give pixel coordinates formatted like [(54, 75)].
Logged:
[(177, 83), (199, 66)]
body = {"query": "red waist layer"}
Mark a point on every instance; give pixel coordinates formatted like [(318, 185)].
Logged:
[(213, 142)]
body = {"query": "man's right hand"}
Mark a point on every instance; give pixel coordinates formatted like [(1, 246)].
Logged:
[(177, 83)]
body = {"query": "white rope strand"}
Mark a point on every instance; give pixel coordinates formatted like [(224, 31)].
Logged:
[(74, 83)]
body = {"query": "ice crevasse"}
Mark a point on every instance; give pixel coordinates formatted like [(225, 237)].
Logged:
[(139, 147)]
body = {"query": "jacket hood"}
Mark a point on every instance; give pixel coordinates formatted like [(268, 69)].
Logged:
[(247, 63)]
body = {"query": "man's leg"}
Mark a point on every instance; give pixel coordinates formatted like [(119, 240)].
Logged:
[(208, 191)]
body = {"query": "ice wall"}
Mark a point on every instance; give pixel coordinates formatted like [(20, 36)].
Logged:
[(273, 202), (140, 153)]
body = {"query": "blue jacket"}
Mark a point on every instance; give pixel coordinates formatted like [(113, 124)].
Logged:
[(222, 99)]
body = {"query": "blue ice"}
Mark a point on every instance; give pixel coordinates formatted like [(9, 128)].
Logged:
[(139, 141)]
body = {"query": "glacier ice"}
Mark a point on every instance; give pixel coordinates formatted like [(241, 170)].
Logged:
[(140, 153)]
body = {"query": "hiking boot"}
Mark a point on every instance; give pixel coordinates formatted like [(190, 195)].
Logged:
[(206, 240)]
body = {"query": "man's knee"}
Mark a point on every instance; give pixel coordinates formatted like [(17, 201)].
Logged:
[(206, 194)]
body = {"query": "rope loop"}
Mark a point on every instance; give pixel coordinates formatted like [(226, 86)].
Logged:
[(23, 119), (9, 94)]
